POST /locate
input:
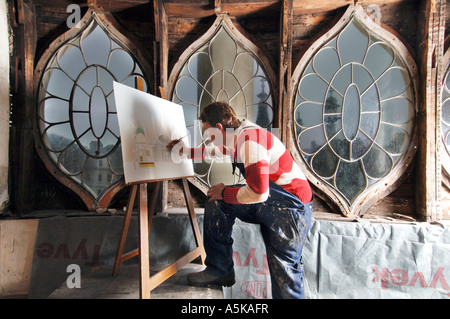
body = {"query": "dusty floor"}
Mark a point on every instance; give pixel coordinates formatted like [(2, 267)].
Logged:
[(101, 285)]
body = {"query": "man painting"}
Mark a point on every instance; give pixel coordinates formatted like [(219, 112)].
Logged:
[(276, 195)]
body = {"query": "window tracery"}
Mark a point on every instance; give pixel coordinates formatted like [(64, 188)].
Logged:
[(222, 67), (76, 114), (354, 110)]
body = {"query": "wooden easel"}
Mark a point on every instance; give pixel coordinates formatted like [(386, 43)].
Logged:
[(147, 282)]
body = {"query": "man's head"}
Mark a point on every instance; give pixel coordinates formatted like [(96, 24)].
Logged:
[(218, 116), (220, 113)]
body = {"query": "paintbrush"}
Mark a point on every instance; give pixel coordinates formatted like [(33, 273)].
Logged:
[(182, 137)]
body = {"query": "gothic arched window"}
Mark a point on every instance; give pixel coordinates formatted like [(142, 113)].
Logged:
[(79, 137), (222, 66), (354, 111)]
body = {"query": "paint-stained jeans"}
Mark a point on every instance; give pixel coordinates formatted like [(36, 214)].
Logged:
[(284, 222)]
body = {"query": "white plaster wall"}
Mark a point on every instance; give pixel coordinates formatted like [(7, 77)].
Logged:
[(17, 241), (4, 105)]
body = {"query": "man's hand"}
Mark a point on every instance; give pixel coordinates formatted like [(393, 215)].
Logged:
[(172, 144), (215, 192)]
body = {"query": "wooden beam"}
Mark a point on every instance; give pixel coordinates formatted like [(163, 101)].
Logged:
[(285, 70), (163, 45), (23, 100), (203, 9), (217, 6), (161, 58), (431, 31), (311, 6)]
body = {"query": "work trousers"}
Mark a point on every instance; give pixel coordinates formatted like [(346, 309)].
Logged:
[(284, 222)]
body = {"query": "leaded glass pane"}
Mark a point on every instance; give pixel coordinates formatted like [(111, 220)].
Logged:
[(354, 111), (222, 69), (76, 110)]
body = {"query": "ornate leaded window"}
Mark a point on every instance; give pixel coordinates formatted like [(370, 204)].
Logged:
[(222, 66), (76, 113), (354, 110)]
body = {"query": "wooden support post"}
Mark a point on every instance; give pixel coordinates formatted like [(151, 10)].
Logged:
[(431, 29), (285, 71), (217, 6), (22, 140), (161, 58), (161, 53)]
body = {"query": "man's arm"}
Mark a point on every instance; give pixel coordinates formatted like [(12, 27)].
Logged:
[(197, 152), (256, 163)]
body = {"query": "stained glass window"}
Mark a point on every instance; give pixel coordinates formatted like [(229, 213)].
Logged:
[(77, 117), (222, 69), (354, 111)]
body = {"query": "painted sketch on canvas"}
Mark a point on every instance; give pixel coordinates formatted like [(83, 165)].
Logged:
[(147, 123)]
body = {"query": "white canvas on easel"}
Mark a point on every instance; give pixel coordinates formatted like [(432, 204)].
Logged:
[(147, 123)]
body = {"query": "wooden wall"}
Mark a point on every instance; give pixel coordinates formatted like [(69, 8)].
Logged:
[(282, 29)]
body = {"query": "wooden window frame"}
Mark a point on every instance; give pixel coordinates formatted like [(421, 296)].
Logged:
[(107, 22), (397, 176), (238, 33)]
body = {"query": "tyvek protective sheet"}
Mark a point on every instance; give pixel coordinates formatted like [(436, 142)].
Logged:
[(353, 260), (91, 243), (250, 264)]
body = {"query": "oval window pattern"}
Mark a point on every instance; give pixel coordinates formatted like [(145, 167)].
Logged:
[(221, 67), (354, 111), (77, 117)]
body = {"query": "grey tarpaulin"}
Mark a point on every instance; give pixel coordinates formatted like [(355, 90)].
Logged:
[(353, 260), (250, 263), (91, 243), (341, 259)]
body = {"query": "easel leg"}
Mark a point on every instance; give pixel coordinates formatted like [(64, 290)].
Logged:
[(126, 225), (144, 261), (193, 219), (148, 283)]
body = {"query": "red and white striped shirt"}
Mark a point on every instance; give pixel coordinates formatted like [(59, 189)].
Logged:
[(265, 158)]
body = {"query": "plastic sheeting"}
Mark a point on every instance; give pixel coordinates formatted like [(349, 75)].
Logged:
[(91, 243), (250, 264), (353, 260), (341, 259)]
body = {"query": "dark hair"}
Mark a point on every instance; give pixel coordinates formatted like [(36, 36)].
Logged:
[(220, 112)]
